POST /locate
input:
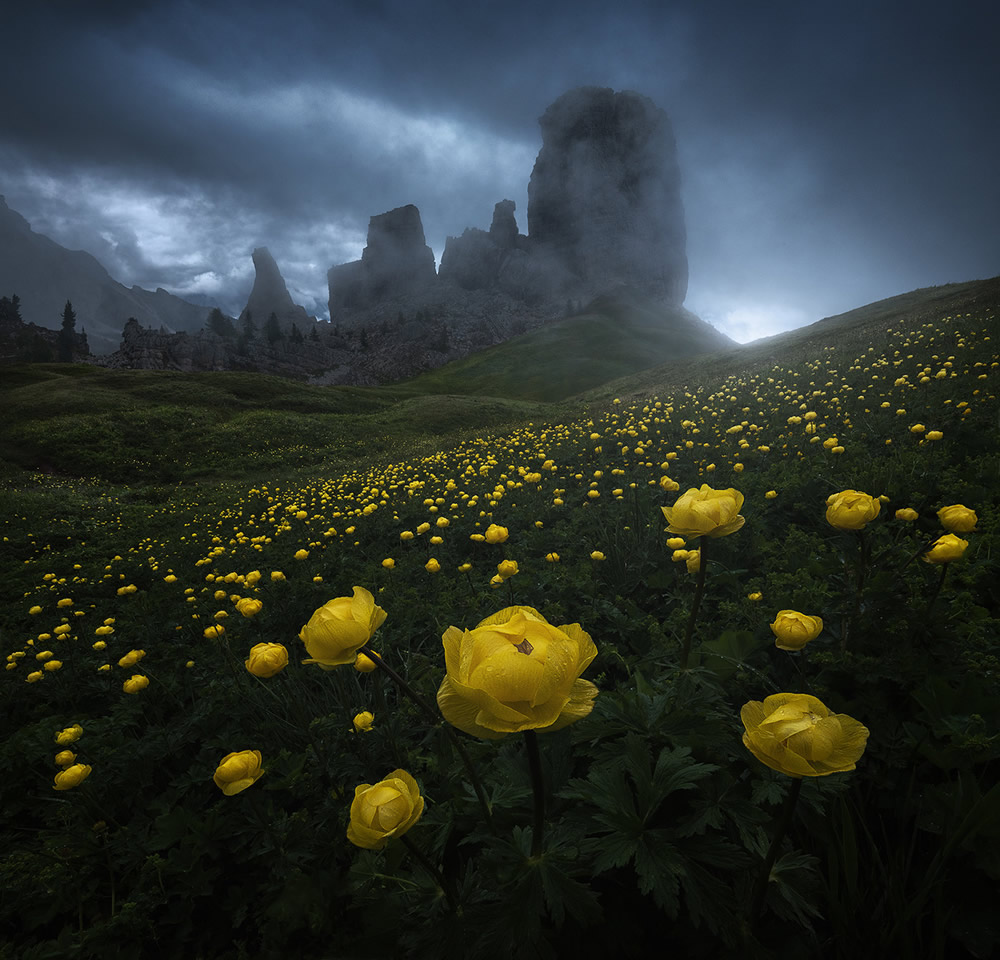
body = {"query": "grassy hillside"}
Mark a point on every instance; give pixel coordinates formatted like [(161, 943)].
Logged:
[(163, 426), (854, 330), (615, 339)]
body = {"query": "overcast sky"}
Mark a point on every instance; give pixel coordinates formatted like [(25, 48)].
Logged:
[(831, 153)]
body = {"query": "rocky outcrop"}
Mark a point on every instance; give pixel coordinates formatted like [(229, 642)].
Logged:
[(45, 275), (396, 263), (604, 195), (604, 215), (270, 295)]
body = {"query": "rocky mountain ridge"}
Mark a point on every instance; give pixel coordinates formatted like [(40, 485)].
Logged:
[(605, 221)]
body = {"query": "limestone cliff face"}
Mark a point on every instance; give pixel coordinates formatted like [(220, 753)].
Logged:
[(270, 295), (396, 262), (604, 213), (604, 195)]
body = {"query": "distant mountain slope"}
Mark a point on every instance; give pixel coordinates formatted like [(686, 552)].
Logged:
[(45, 275), (616, 337)]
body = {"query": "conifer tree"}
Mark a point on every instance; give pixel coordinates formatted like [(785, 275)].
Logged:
[(272, 329), (67, 334)]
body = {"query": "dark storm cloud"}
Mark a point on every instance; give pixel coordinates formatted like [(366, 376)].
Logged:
[(830, 155)]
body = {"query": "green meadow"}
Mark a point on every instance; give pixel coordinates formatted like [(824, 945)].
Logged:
[(696, 770)]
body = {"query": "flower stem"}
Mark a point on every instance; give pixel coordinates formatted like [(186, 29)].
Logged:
[(698, 591), (432, 870), (859, 586), (435, 718), (937, 591), (538, 787), (784, 820)]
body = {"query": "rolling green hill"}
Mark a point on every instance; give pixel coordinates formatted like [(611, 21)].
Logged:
[(140, 426), (616, 337)]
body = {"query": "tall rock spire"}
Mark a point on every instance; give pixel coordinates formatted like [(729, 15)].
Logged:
[(270, 295), (604, 195)]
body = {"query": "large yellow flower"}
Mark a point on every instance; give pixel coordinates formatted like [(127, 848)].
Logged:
[(338, 628), (384, 810), (797, 734), (851, 509), (705, 512), (516, 671), (237, 771)]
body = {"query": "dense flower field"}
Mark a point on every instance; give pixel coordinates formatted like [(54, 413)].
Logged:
[(713, 669)]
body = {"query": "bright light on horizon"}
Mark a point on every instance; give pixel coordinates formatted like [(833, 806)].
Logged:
[(744, 324)]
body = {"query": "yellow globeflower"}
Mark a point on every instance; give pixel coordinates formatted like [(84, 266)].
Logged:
[(266, 659), (907, 513), (135, 683), (432, 566), (506, 569), (249, 607), (71, 777), (946, 549), (705, 512), (596, 555), (496, 534), (958, 518), (693, 561), (69, 735), (798, 735), (65, 758), (515, 671), (213, 633), (237, 771), (851, 509), (363, 722), (793, 630), (338, 628), (131, 658), (384, 810)]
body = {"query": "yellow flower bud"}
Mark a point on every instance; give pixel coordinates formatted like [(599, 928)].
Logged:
[(69, 735), (958, 518), (363, 722), (71, 777), (237, 771), (793, 630), (266, 659), (135, 683), (946, 549), (851, 509), (384, 810)]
